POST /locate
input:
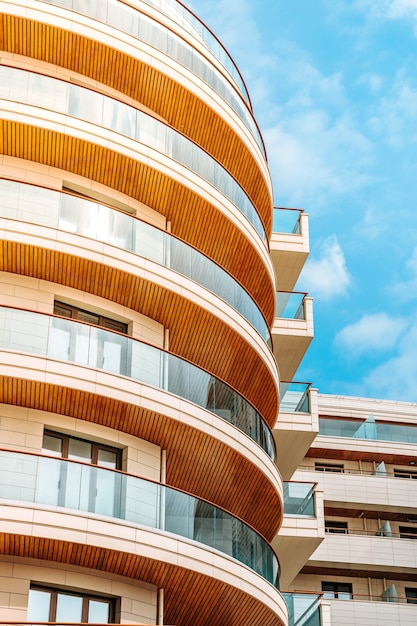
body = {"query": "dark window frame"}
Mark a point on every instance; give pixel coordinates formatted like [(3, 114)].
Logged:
[(331, 526), (95, 447), (76, 313), (336, 588), (86, 598), (337, 468), (405, 473), (411, 595)]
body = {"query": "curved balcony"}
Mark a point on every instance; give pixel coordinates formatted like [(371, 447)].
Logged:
[(57, 96), (140, 26), (90, 346), (90, 219), (73, 485)]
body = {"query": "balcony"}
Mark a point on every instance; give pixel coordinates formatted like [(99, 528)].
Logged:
[(292, 330), (53, 482), (303, 609), (302, 528), (93, 347), (44, 93), (363, 610), (367, 551), (289, 246), (297, 425), (378, 491), (86, 218)]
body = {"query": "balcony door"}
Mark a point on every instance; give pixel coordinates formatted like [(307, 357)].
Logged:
[(89, 345), (84, 486)]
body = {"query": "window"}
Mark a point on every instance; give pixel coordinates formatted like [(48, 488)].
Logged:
[(341, 591), (96, 345), (408, 532), (76, 485), (67, 310), (336, 527), (56, 605), (411, 595), (72, 448), (402, 473), (329, 467)]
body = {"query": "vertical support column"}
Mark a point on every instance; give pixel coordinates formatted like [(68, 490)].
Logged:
[(160, 616)]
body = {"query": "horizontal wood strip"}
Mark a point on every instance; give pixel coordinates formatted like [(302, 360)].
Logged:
[(192, 218), (190, 598), (145, 84), (219, 474)]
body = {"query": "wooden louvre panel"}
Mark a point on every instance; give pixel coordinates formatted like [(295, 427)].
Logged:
[(192, 218), (219, 475), (145, 84), (190, 597)]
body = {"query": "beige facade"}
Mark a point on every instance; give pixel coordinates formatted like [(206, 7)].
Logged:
[(149, 327)]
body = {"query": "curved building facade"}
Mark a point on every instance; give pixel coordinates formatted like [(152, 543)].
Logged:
[(139, 388)]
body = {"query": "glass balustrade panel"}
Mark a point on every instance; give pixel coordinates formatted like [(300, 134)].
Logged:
[(91, 346), (95, 108), (286, 221), (299, 499), (89, 488), (144, 28), (294, 397)]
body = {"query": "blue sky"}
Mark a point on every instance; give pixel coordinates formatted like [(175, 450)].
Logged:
[(334, 89)]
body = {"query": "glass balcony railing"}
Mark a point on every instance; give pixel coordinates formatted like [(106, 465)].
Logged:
[(303, 609), (93, 220), (287, 221), (84, 104), (290, 305), (190, 22), (299, 499), (140, 26), (294, 397), (368, 429), (81, 487), (91, 346)]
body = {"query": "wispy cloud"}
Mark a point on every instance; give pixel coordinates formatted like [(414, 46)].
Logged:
[(396, 378), (326, 276), (372, 333)]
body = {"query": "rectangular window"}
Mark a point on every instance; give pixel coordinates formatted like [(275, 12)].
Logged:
[(73, 312), (408, 532), (329, 467), (340, 591), (74, 449), (411, 595), (403, 473), (59, 605), (336, 527)]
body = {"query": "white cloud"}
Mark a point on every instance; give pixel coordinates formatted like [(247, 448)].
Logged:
[(402, 8), (372, 333), (397, 377), (327, 277)]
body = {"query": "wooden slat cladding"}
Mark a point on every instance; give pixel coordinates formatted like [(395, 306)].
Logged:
[(362, 455), (219, 474), (169, 99), (195, 334), (192, 218), (190, 598)]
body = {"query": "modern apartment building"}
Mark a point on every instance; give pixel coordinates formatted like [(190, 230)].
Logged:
[(139, 479), (364, 465)]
